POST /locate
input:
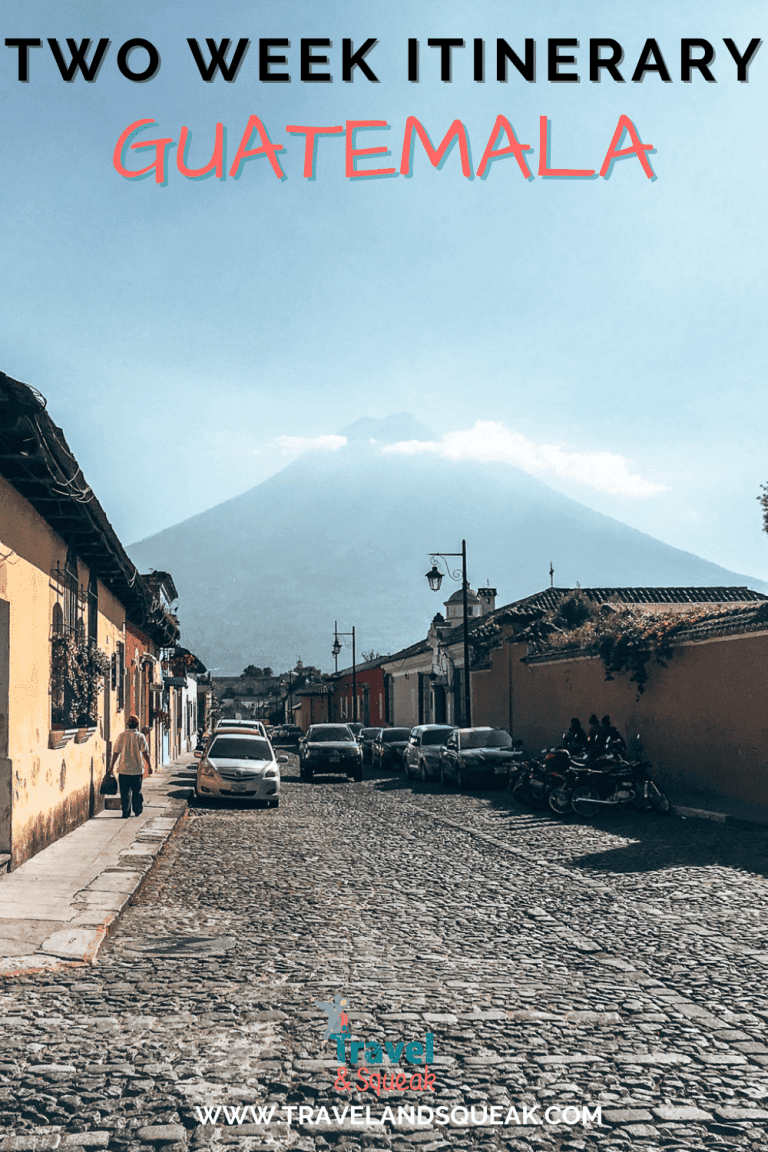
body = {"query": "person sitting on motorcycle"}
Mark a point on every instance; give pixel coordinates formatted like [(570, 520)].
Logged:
[(596, 739), (575, 738), (613, 741)]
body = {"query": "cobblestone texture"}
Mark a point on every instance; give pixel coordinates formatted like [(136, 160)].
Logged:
[(620, 962)]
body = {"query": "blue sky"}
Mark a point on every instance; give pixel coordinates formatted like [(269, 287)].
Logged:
[(591, 330)]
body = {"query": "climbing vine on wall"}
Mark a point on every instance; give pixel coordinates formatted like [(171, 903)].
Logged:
[(625, 638), (78, 668)]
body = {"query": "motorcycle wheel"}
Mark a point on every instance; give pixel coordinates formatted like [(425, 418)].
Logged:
[(539, 797), (642, 803), (522, 791), (658, 799), (584, 801), (560, 801)]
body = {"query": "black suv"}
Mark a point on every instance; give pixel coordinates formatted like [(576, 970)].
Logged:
[(330, 749)]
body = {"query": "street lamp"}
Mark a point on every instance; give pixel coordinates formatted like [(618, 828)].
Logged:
[(336, 650), (435, 579)]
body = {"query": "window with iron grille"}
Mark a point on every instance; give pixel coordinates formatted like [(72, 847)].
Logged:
[(120, 675), (78, 666), (93, 608), (72, 604)]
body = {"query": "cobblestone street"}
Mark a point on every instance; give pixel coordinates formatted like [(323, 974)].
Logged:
[(619, 963)]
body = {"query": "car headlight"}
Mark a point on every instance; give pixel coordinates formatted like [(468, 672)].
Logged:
[(270, 772), (207, 769)]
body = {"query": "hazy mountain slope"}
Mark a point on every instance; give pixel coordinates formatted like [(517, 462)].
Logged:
[(346, 535)]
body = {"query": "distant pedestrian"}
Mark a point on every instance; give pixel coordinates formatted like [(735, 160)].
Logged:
[(132, 751)]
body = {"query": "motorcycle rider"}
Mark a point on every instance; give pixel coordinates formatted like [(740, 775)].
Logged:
[(596, 739), (613, 741), (575, 738)]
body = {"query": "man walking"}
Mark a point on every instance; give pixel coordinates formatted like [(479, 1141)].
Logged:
[(132, 751)]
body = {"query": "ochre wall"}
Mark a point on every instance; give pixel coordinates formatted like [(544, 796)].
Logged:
[(52, 791), (703, 719), (492, 692)]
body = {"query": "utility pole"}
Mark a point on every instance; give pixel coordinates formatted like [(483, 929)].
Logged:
[(336, 650), (434, 577), (354, 679)]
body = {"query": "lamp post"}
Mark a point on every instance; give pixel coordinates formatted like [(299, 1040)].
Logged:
[(336, 650), (435, 579)]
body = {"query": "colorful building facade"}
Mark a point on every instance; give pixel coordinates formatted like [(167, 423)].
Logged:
[(81, 634)]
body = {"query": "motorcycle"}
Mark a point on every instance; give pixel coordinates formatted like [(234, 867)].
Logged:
[(540, 777), (611, 781)]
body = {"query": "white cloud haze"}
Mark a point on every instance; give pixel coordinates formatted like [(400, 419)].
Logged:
[(491, 441), (296, 444)]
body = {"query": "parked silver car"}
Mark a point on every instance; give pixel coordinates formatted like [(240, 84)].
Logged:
[(239, 765), (422, 754)]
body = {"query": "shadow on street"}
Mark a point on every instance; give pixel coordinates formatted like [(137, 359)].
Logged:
[(656, 842)]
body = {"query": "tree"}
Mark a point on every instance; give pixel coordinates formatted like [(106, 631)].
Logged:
[(267, 673), (251, 673), (370, 655), (764, 502)]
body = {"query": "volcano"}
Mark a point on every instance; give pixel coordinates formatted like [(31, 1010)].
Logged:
[(345, 536)]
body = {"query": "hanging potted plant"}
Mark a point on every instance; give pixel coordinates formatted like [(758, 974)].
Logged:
[(78, 668)]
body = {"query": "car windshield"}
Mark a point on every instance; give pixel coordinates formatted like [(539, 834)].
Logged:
[(239, 748), (369, 733), (435, 736), (334, 732), (391, 735), (495, 739)]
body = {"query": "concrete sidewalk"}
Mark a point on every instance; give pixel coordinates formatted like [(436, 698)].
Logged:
[(690, 803), (58, 907)]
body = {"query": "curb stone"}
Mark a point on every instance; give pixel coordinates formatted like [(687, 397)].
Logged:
[(717, 817)]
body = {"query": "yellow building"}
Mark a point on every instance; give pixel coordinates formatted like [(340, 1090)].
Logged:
[(68, 594)]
